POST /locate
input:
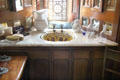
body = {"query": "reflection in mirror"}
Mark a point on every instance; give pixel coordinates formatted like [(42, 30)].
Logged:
[(95, 24), (85, 21), (110, 5), (108, 30)]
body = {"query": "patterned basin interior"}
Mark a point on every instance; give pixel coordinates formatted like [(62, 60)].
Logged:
[(57, 37)]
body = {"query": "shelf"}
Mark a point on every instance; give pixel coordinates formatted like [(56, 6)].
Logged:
[(114, 50), (112, 71), (114, 59), (114, 56)]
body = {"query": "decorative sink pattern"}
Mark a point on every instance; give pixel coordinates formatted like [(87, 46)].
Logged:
[(57, 37)]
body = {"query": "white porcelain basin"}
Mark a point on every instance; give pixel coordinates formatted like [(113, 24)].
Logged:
[(57, 36)]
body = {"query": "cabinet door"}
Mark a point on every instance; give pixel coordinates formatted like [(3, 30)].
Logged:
[(80, 69), (97, 64), (39, 70), (61, 65), (81, 60), (39, 65), (97, 69), (61, 70)]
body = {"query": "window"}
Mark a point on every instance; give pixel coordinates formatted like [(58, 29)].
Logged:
[(57, 10)]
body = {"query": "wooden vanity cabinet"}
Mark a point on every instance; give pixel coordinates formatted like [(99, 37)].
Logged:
[(88, 64), (66, 64), (56, 63), (39, 65), (51, 64)]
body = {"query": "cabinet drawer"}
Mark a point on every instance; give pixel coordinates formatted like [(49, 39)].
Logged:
[(60, 54), (81, 54), (39, 54)]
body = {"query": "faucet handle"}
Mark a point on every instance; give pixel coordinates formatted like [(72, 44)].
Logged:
[(54, 28)]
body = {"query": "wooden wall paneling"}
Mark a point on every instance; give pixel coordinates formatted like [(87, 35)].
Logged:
[(116, 19)]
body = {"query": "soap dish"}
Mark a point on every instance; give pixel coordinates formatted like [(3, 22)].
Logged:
[(5, 58), (3, 70)]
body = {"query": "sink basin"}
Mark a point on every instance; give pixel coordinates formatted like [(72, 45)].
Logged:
[(57, 36)]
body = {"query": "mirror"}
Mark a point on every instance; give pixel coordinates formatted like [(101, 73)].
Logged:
[(85, 21), (95, 24), (108, 28)]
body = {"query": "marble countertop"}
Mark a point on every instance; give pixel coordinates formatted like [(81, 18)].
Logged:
[(34, 40)]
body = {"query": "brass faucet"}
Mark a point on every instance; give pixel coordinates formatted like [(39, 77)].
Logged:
[(61, 28)]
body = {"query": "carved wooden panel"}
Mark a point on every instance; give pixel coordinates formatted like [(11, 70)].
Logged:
[(61, 70), (39, 69), (80, 69)]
